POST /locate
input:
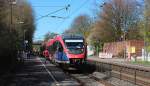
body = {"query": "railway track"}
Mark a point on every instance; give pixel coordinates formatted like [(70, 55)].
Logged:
[(114, 75), (133, 75), (85, 75), (82, 75)]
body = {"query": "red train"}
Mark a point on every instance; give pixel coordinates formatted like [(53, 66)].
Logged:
[(67, 49)]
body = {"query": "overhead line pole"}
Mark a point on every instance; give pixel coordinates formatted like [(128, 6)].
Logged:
[(145, 34), (11, 8)]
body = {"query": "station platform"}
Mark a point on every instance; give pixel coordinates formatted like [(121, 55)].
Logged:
[(119, 62), (123, 70)]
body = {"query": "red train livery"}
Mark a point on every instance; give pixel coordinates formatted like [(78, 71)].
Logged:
[(69, 49)]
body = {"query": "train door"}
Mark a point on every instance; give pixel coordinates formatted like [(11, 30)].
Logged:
[(58, 51)]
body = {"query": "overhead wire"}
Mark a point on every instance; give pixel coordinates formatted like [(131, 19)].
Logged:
[(69, 2), (76, 10), (48, 15), (68, 16), (82, 5), (53, 12), (48, 6)]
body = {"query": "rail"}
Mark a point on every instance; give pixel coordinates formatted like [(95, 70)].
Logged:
[(138, 75)]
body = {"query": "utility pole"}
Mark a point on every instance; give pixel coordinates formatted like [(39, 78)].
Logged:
[(11, 14), (11, 2), (145, 35)]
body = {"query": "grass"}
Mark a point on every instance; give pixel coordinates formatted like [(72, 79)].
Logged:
[(145, 63)]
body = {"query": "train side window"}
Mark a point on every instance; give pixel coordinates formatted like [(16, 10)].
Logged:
[(60, 48), (55, 46)]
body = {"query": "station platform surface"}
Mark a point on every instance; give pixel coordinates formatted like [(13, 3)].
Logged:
[(119, 61)]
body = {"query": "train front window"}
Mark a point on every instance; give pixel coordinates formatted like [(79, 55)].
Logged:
[(75, 46)]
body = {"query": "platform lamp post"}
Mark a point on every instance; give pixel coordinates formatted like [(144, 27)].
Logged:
[(24, 31), (20, 23), (24, 39)]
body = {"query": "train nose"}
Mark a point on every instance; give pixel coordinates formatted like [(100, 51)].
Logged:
[(78, 56)]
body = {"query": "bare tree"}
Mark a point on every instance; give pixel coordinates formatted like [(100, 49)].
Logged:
[(70, 31), (117, 17), (81, 25)]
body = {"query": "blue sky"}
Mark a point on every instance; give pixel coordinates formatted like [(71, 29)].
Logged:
[(48, 24)]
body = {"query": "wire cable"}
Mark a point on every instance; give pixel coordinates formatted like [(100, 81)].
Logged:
[(66, 7), (69, 16), (82, 5), (47, 6)]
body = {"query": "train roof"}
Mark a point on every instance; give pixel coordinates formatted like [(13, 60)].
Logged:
[(50, 42)]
